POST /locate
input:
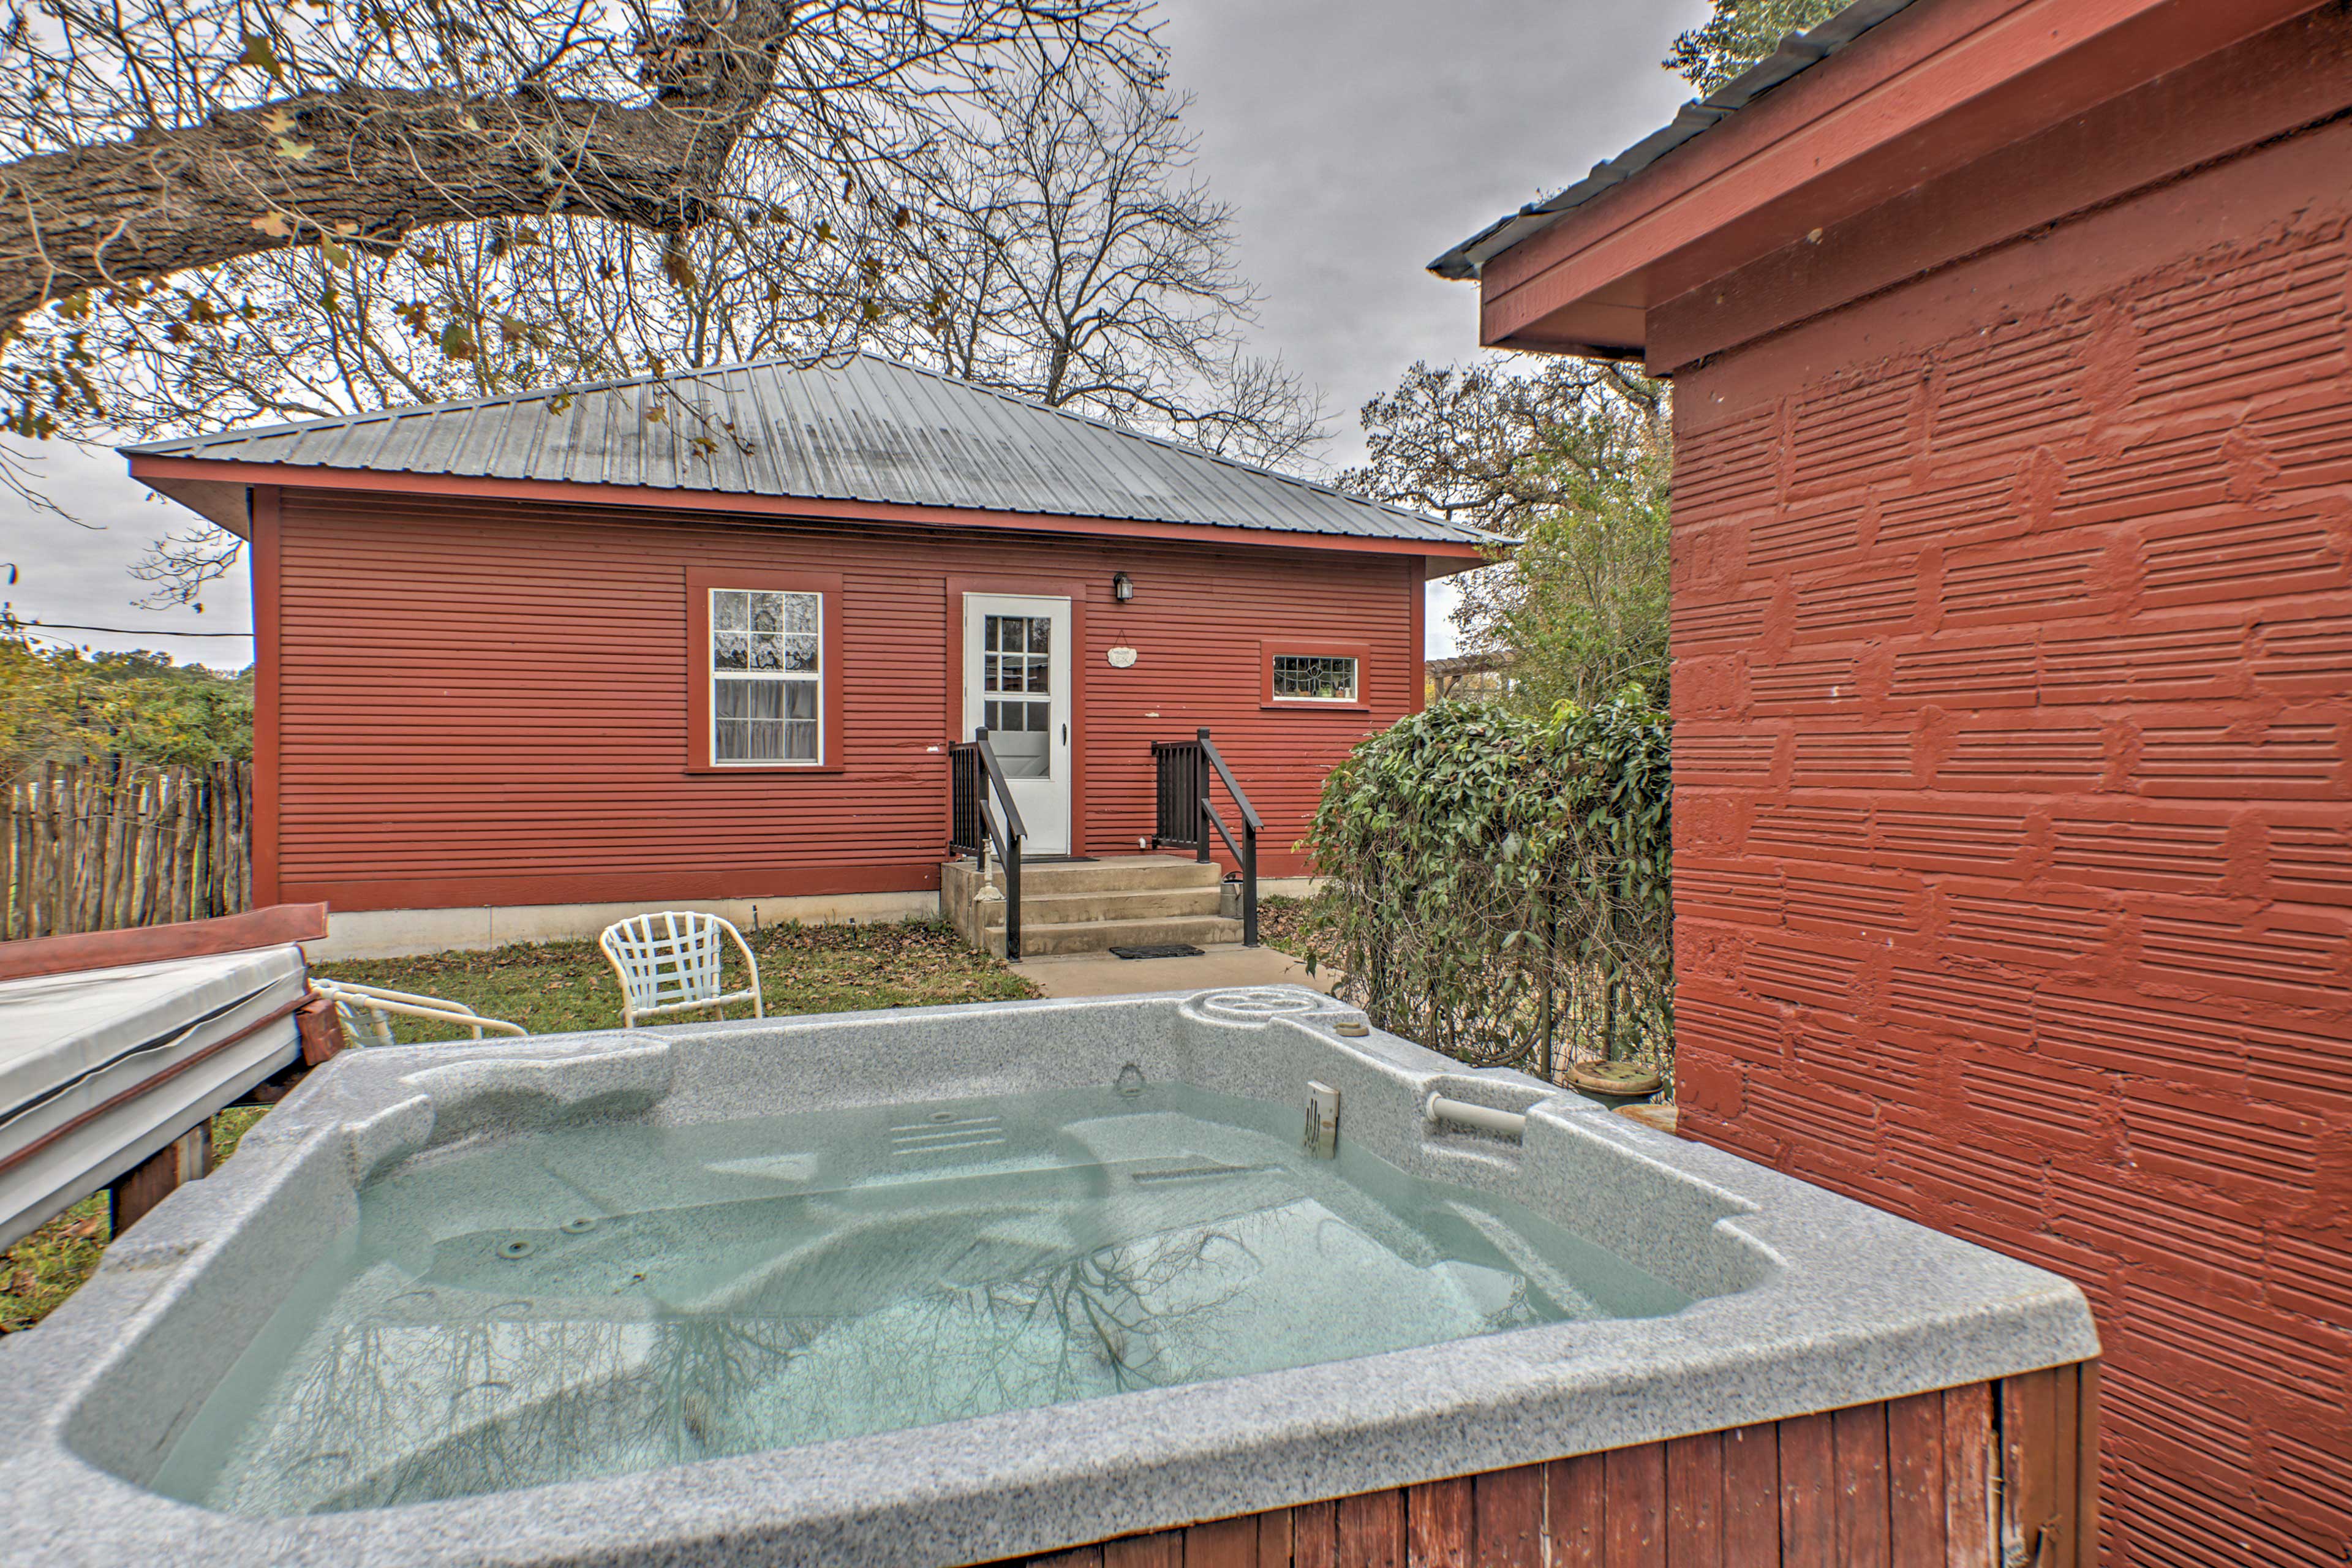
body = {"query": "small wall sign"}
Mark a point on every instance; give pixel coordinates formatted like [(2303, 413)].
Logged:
[(1122, 658)]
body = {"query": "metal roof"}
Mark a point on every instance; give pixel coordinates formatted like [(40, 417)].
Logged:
[(867, 429), (1798, 53)]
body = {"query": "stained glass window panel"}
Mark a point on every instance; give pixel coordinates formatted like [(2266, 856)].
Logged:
[(1314, 678)]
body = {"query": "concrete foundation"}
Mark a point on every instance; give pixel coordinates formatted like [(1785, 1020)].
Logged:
[(395, 934), (398, 933)]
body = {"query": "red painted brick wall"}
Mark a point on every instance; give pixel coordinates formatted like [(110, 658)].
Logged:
[(2013, 628)]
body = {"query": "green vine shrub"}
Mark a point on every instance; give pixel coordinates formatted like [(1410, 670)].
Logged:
[(58, 704), (1500, 886)]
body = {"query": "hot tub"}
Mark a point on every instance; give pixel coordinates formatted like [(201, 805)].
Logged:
[(974, 1283)]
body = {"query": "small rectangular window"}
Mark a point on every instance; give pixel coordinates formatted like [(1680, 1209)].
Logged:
[(1314, 678), (767, 677)]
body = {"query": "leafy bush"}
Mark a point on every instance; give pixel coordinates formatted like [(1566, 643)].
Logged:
[(1500, 886), (1569, 458), (61, 705)]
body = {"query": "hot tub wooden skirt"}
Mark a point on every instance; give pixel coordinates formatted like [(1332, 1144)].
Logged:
[(1976, 1475)]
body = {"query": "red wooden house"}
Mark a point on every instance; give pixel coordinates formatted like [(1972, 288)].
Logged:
[(525, 660), (2013, 626)]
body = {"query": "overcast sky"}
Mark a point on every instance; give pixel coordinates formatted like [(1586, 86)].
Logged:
[(1354, 139)]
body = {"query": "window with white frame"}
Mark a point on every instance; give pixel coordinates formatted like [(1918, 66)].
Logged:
[(767, 687), (1314, 678)]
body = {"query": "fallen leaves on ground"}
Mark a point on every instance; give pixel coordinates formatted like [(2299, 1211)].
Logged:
[(47, 1265), (558, 986)]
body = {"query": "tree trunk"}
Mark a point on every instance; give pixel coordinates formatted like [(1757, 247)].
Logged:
[(372, 164)]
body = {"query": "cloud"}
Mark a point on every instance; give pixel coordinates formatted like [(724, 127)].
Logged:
[(1357, 141), (80, 575), (1354, 139)]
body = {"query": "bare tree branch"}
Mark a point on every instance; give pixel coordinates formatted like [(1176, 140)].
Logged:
[(1572, 460), (217, 210), (376, 165), (169, 148), (1071, 255)]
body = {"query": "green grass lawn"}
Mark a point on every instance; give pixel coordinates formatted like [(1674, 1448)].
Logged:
[(39, 1272), (551, 988)]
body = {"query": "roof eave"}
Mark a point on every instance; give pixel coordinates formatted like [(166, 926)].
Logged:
[(1897, 107), (1797, 52), (173, 475), (874, 429), (222, 502)]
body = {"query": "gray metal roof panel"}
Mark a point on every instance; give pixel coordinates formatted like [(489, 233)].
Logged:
[(510, 446), (477, 438), (1797, 53), (864, 431)]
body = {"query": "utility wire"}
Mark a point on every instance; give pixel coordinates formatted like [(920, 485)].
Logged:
[(124, 631)]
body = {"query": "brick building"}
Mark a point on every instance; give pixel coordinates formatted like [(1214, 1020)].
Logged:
[(2013, 685)]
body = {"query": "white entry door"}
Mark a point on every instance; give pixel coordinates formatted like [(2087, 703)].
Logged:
[(1016, 681)]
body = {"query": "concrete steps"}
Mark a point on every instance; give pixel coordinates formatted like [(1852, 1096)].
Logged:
[(1041, 910), (1088, 906), (1098, 936)]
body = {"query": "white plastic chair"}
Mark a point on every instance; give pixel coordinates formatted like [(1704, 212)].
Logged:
[(352, 999), (668, 963)]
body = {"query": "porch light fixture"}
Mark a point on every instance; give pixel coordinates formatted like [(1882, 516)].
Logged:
[(1121, 588)]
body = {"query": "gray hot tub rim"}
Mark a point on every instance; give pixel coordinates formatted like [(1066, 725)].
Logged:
[(1806, 1301)]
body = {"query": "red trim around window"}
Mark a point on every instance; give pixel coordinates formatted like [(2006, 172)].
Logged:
[(700, 582), (1313, 648)]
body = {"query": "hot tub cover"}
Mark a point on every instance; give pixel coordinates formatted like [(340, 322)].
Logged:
[(137, 1036)]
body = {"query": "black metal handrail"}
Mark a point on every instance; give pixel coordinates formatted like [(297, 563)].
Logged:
[(1186, 813), (973, 828)]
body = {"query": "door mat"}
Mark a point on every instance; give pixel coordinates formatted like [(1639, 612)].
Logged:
[(1160, 949)]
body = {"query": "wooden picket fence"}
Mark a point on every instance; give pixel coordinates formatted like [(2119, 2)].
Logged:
[(105, 843)]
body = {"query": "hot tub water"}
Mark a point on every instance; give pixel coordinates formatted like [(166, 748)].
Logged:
[(611, 1296)]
